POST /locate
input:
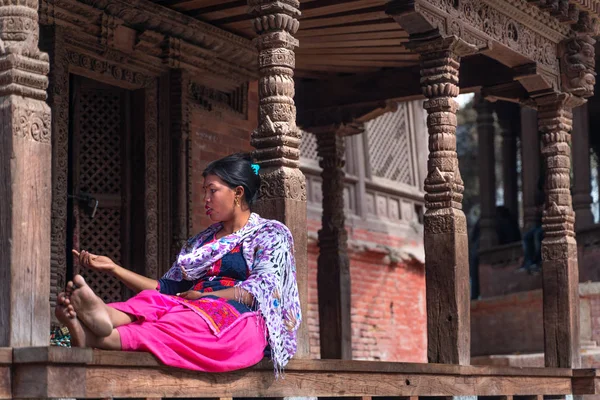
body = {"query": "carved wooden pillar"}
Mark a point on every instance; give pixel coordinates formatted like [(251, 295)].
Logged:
[(180, 144), (333, 273), (530, 170), (25, 179), (582, 198), (277, 138), (559, 248), (508, 117), (446, 241), (487, 174)]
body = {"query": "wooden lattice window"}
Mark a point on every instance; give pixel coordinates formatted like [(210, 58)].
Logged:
[(308, 146), (99, 126), (389, 146)]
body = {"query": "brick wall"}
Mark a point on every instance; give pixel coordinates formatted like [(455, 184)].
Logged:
[(388, 302), (213, 138), (514, 323)]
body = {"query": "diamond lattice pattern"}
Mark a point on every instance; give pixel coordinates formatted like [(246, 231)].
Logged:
[(100, 173), (389, 146)]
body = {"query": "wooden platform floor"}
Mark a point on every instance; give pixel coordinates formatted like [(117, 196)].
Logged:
[(54, 372)]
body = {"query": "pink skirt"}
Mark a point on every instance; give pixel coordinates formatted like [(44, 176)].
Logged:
[(180, 338)]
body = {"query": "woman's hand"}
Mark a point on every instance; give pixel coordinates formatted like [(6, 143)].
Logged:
[(94, 262), (191, 295)]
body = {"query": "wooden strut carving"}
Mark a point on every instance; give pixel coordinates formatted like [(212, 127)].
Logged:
[(277, 139), (333, 271), (446, 241), (25, 178)]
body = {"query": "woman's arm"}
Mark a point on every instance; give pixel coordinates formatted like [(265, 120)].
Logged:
[(135, 282), (232, 293)]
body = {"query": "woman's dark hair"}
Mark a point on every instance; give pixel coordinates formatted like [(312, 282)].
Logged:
[(236, 170)]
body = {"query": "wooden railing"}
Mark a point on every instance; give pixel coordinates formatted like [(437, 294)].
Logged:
[(54, 372)]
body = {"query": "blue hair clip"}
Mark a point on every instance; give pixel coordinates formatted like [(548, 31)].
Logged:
[(255, 168)]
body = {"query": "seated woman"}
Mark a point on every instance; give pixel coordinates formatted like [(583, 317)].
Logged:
[(232, 288)]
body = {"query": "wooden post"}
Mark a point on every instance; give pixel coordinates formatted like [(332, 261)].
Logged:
[(487, 174), (446, 240), (530, 171), (277, 138), (180, 144), (559, 247), (333, 271), (25, 179), (508, 117), (582, 199)]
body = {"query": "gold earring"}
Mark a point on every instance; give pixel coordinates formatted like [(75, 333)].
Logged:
[(236, 201)]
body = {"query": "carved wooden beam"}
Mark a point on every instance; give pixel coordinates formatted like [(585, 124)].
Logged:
[(163, 37), (510, 31), (25, 179), (277, 139)]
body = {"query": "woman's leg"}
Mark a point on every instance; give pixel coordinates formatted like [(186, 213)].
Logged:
[(99, 318)]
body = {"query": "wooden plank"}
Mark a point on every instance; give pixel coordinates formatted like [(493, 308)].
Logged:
[(346, 19), (190, 5), (5, 382), (222, 14), (6, 355), (52, 354), (108, 358), (355, 43), (397, 34), (134, 382), (318, 10), (354, 63), (377, 27), (355, 50), (359, 57), (337, 69)]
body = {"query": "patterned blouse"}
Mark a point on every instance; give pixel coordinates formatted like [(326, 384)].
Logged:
[(219, 313)]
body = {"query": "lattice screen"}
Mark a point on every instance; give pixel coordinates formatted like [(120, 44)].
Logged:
[(308, 147), (389, 146), (100, 173), (100, 142)]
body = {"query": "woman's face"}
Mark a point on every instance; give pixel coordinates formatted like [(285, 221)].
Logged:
[(219, 199)]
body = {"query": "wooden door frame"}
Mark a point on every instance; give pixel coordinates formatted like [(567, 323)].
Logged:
[(67, 60)]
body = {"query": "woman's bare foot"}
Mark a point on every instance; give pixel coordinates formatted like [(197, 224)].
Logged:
[(90, 309), (66, 315)]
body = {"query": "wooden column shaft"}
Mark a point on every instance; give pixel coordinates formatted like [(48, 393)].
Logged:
[(446, 241), (277, 139), (582, 198), (333, 273), (25, 180), (530, 171), (559, 247), (487, 174)]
